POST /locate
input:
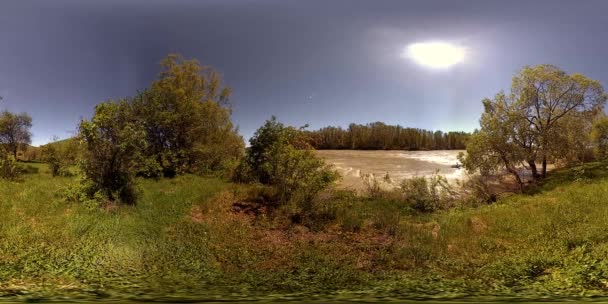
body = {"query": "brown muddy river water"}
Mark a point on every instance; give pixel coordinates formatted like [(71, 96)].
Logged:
[(353, 164)]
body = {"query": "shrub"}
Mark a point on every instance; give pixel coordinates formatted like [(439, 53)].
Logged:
[(8, 166), (376, 187), (57, 159), (83, 191), (280, 157), (113, 143), (427, 194), (475, 190), (372, 185)]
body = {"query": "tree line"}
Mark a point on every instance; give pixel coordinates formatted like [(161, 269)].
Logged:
[(380, 136)]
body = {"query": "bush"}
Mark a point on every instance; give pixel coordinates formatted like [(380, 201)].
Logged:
[(372, 186), (280, 157), (376, 187), (113, 143), (8, 166), (475, 190), (59, 159), (427, 194)]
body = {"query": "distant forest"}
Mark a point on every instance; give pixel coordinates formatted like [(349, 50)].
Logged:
[(380, 136)]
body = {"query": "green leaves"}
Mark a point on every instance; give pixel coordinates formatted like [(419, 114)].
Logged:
[(186, 117), (180, 125), (599, 136), (545, 118), (280, 156), (114, 142)]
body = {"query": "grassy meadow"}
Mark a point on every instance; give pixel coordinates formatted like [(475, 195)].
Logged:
[(184, 240)]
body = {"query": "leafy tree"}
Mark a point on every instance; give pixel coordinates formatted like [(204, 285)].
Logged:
[(186, 116), (15, 131), (545, 97), (113, 141), (546, 116)]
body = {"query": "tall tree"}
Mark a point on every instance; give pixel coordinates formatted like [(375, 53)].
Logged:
[(545, 96), (547, 116), (186, 114), (15, 131)]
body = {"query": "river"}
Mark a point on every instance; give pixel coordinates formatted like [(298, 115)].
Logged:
[(353, 164)]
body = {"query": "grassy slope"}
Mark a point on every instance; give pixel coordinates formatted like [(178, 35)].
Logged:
[(182, 241)]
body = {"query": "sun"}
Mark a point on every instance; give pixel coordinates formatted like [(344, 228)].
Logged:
[(435, 54)]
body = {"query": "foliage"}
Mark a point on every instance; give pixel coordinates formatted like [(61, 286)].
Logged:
[(186, 116), (279, 156), (427, 194), (546, 117), (8, 166), (113, 142), (379, 136), (475, 190), (492, 148), (599, 136), (180, 125), (376, 186), (15, 131), (61, 155)]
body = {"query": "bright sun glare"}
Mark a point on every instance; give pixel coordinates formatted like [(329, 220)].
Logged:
[(435, 54)]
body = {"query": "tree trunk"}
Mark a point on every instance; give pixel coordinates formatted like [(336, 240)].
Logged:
[(517, 178), (513, 172), (15, 153), (544, 166), (533, 168)]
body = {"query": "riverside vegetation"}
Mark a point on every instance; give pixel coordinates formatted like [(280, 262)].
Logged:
[(139, 206)]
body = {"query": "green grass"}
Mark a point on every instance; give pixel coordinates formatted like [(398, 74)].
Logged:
[(181, 241)]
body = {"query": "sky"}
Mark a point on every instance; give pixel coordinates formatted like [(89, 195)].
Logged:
[(325, 62)]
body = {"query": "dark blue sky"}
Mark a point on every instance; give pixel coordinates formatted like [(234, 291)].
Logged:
[(317, 62)]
